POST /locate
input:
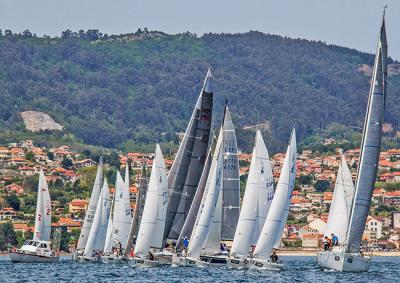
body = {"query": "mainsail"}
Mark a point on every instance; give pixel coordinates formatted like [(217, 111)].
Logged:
[(187, 228), (278, 212), (122, 217), (43, 210), (370, 146), (339, 212), (153, 219), (231, 187), (209, 202), (256, 201), (98, 232), (94, 198), (186, 170), (137, 214)]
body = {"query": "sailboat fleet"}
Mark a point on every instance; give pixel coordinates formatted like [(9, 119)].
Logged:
[(185, 217)]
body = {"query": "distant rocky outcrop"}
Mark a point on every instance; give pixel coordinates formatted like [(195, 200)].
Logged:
[(38, 121)]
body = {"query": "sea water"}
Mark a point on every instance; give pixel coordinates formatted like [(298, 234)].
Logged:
[(297, 269)]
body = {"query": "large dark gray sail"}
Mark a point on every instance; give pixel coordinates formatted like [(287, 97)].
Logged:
[(194, 208), (186, 170), (137, 214), (231, 181), (370, 146)]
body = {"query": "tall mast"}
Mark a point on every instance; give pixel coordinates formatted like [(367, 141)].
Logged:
[(370, 146)]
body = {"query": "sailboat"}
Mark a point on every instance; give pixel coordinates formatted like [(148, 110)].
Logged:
[(118, 230), (350, 258), (211, 202), (150, 236), (277, 214), (39, 248), (87, 223), (98, 232), (138, 212), (255, 206), (339, 212), (188, 165)]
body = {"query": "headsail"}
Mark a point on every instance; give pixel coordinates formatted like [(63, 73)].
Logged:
[(339, 212), (98, 232), (256, 201), (94, 198), (154, 208), (186, 170), (370, 146), (43, 210), (209, 202), (278, 212), (231, 188)]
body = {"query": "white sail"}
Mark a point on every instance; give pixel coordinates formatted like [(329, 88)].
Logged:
[(109, 241), (209, 202), (43, 210), (122, 217), (278, 212), (256, 201), (339, 212), (153, 218), (91, 210), (213, 242), (98, 232)]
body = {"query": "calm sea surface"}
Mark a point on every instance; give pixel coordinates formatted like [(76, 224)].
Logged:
[(297, 269)]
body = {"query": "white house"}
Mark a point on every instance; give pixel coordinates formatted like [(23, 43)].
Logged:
[(374, 225)]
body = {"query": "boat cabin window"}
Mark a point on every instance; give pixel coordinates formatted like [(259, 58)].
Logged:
[(42, 245)]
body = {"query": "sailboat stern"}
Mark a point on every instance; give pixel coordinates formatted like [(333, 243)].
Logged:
[(265, 265), (343, 262), (238, 263)]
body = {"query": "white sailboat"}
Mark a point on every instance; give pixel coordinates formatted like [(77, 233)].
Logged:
[(255, 206), (121, 220), (339, 212), (39, 248), (91, 210), (277, 214), (205, 232), (150, 235), (349, 257), (97, 236)]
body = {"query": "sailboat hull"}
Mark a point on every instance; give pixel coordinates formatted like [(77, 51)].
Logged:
[(139, 262), (343, 262), (112, 259), (32, 258), (267, 265), (238, 263)]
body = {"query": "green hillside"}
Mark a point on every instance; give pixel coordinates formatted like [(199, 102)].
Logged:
[(133, 90)]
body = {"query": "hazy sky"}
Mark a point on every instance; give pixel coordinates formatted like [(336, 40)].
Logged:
[(350, 23)]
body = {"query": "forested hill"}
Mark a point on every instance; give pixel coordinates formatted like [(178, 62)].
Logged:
[(136, 89)]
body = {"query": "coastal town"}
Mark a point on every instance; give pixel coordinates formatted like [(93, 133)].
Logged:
[(70, 176)]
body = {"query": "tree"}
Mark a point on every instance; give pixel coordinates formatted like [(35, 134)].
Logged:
[(305, 179), (13, 201), (50, 155), (7, 235), (26, 33), (322, 185), (67, 163), (30, 156)]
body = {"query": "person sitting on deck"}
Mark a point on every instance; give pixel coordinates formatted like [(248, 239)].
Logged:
[(185, 244), (326, 243), (274, 257), (151, 256), (335, 240)]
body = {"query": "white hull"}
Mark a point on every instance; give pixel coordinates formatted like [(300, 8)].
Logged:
[(138, 262), (238, 263), (260, 264), (112, 259), (83, 259), (344, 262), (31, 258)]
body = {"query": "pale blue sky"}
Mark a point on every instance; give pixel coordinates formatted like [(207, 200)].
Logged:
[(350, 23)]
